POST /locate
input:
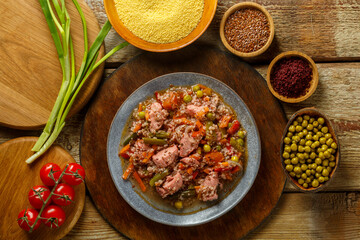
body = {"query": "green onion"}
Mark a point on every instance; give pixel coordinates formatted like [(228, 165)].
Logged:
[(158, 177), (59, 21), (154, 141)]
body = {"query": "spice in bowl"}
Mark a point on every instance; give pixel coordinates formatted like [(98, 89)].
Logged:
[(247, 30), (291, 77), (163, 21)]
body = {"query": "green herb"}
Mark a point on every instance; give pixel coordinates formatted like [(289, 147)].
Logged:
[(59, 26)]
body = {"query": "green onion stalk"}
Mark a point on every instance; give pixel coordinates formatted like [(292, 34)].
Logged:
[(58, 20)]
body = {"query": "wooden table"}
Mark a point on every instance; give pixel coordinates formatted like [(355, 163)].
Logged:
[(329, 32)]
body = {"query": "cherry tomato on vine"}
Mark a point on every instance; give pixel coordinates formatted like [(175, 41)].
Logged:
[(63, 195), (49, 172), (26, 219), (38, 195), (74, 174), (53, 216)]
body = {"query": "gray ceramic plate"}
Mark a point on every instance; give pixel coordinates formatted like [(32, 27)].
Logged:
[(201, 213)]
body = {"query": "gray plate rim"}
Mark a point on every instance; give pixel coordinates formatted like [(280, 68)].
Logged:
[(174, 219)]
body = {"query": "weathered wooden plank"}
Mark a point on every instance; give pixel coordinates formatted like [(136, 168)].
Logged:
[(297, 216), (325, 30), (338, 96), (313, 216)]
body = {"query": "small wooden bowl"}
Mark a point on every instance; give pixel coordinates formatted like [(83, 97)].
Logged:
[(242, 6), (208, 14), (312, 112), (313, 84)]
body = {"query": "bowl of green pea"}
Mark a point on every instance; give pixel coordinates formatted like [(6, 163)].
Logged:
[(310, 151)]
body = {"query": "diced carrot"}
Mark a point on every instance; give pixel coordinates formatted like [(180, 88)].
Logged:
[(199, 125), (206, 99), (207, 170), (148, 156), (195, 156), (223, 141), (140, 182), (147, 116), (189, 170), (214, 157), (184, 120), (181, 166), (225, 164), (194, 175), (224, 121), (140, 107), (171, 102), (197, 133), (123, 151), (234, 127), (202, 113), (137, 127), (207, 91), (197, 187), (128, 171), (235, 169)]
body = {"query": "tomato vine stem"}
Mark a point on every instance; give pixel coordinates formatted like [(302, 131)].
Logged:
[(48, 199)]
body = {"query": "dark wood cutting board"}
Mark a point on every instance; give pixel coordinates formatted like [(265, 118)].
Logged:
[(241, 77)]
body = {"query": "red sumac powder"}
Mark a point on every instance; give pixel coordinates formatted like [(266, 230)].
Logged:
[(291, 77)]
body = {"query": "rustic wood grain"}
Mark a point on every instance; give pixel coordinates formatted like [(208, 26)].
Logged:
[(338, 97), (268, 116), (338, 81), (325, 30), (29, 66), (341, 104), (296, 216), (16, 180)]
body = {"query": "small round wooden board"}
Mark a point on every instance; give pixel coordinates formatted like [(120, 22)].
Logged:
[(250, 86), (16, 180), (29, 65)]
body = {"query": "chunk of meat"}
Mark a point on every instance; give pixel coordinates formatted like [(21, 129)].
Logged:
[(138, 150), (166, 156), (172, 185), (157, 116), (190, 162), (192, 109), (208, 189), (141, 146), (187, 145)]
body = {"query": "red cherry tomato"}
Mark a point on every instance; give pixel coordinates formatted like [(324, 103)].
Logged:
[(53, 216), (38, 195), (75, 174), (26, 219), (49, 172), (63, 195)]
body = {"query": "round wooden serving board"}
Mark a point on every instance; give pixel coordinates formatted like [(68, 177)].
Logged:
[(16, 180), (29, 66), (241, 77)]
